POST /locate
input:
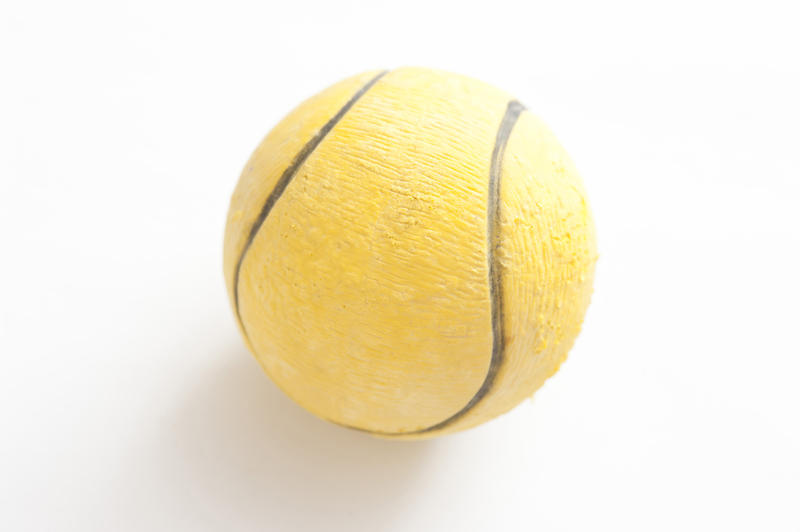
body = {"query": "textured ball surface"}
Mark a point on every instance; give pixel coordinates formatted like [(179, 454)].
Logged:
[(409, 253)]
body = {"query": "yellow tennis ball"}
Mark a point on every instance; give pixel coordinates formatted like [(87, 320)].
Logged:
[(409, 253)]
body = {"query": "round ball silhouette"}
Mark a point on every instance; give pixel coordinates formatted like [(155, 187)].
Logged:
[(409, 253)]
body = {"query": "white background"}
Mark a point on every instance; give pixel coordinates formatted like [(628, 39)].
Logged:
[(127, 399)]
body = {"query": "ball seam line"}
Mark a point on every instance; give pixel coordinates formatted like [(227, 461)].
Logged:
[(493, 233), (285, 179)]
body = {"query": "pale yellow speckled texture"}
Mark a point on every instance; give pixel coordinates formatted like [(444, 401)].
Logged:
[(365, 293)]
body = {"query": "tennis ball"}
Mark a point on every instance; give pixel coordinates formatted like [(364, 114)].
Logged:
[(409, 253)]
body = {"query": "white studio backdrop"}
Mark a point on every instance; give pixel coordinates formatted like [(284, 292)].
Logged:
[(128, 401)]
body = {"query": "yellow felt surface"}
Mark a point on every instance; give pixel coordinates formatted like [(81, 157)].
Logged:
[(365, 293), (547, 254), (272, 156)]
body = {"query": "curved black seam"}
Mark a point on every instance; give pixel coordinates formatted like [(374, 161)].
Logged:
[(493, 234), (286, 178)]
